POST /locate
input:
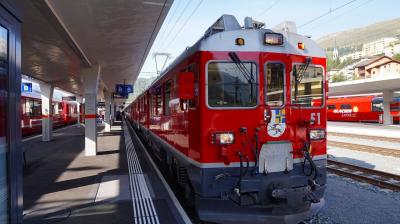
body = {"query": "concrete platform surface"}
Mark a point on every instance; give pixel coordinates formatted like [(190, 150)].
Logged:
[(62, 185), (119, 185), (391, 131)]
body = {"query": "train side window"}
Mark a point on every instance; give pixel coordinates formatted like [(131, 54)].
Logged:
[(345, 106), (331, 107), (151, 104), (24, 111), (158, 101), (308, 85), (377, 104), (275, 77), (37, 108), (167, 97)]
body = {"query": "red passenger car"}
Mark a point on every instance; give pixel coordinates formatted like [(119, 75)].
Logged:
[(64, 113), (361, 109), (235, 120)]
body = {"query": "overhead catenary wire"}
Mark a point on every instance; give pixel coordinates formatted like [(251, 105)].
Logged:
[(326, 13), (267, 9), (169, 22), (173, 27), (184, 24), (340, 15)]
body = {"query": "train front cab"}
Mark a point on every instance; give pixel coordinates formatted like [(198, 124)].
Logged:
[(256, 169)]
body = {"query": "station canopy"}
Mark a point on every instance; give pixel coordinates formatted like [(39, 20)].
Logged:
[(62, 37)]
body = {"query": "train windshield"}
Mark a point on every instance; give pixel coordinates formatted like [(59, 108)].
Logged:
[(307, 88), (227, 86)]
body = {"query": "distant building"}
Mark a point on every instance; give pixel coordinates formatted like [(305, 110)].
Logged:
[(376, 66), (378, 47), (392, 49), (354, 56)]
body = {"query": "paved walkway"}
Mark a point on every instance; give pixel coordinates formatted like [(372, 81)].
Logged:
[(392, 131), (119, 185), (64, 186)]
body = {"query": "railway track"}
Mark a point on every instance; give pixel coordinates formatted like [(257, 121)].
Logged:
[(374, 177), (366, 148)]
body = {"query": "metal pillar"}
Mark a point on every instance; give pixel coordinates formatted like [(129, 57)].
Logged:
[(91, 82), (47, 111), (387, 97), (107, 120)]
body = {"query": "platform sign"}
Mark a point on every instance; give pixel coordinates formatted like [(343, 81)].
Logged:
[(101, 104), (26, 87), (68, 98), (123, 89), (119, 96)]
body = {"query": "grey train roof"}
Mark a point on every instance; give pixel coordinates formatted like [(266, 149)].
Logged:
[(222, 34)]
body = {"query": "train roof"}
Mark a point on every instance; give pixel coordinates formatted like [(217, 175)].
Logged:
[(222, 34)]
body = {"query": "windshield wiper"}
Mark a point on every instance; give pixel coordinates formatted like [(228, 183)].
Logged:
[(242, 68), (299, 76)]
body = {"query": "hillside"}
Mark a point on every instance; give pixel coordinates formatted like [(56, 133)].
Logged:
[(354, 38)]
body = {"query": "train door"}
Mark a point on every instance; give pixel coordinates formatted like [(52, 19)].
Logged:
[(10, 118)]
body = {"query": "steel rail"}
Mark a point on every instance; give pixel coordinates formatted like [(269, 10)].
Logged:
[(374, 177), (366, 148)]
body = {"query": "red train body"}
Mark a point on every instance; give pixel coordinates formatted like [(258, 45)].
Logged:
[(235, 122), (361, 109), (64, 113)]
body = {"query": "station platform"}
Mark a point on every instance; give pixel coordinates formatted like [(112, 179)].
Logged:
[(119, 185), (367, 129)]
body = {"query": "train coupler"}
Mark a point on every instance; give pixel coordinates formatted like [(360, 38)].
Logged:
[(299, 195)]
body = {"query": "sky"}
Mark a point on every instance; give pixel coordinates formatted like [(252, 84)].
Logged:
[(187, 20)]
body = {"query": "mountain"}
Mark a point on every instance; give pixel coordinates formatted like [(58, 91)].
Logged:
[(354, 38)]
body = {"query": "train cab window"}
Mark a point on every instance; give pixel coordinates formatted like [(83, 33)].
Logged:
[(167, 97), (232, 85), (331, 107), (345, 106), (307, 85), (275, 76)]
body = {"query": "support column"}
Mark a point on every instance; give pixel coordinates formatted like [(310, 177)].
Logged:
[(387, 97), (47, 111), (91, 80), (78, 108), (112, 111), (107, 121)]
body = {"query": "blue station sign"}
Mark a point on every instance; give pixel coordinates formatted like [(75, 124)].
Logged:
[(26, 87), (123, 89)]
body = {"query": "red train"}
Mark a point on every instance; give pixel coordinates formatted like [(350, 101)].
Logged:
[(64, 113), (233, 120), (361, 109)]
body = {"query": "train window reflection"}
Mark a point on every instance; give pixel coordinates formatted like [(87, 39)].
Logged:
[(232, 85), (275, 84), (345, 106), (167, 98), (307, 87), (377, 104)]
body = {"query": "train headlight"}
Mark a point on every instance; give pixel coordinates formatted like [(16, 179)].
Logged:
[(273, 38), (317, 134), (223, 138)]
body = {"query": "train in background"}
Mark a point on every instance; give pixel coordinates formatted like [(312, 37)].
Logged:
[(235, 122), (367, 108), (64, 112)]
